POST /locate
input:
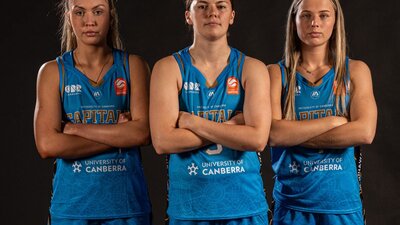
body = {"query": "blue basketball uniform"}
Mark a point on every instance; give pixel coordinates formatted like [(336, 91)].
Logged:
[(316, 180), (136, 220), (214, 182), (261, 219), (107, 185)]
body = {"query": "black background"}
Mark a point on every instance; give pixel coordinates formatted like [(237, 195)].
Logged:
[(154, 29)]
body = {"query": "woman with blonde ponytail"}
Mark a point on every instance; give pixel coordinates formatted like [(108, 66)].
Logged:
[(322, 106), (91, 116)]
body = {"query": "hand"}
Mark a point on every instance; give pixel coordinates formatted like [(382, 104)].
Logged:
[(124, 117), (184, 120), (238, 119), (69, 128), (339, 120)]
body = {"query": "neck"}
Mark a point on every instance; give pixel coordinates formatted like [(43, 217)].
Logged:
[(210, 52), (92, 55), (314, 57)]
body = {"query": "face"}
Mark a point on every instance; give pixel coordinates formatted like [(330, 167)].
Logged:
[(210, 18), (315, 20), (90, 20)]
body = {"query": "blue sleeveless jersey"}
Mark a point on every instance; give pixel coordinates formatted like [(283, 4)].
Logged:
[(316, 180), (214, 182), (107, 185)]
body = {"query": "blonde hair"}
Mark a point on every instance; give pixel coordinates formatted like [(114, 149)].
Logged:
[(336, 55), (68, 39)]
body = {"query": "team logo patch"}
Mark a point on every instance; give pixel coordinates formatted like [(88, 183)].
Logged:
[(315, 95), (233, 86), (120, 86)]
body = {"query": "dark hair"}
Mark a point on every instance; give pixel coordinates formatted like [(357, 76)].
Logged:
[(188, 3)]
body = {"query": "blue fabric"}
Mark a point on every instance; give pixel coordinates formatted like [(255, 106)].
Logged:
[(316, 180), (261, 219), (107, 185), (137, 220), (285, 216), (214, 182)]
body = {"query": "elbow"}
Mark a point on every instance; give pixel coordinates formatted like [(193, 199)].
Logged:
[(273, 140), (45, 150), (368, 136), (158, 145), (259, 144)]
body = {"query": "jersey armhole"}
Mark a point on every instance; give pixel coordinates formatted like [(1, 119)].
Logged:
[(61, 71)]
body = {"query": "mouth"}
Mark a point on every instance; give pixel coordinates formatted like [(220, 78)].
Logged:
[(212, 24), (90, 33), (315, 34)]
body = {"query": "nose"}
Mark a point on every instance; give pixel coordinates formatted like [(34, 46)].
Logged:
[(212, 11), (315, 22), (89, 19)]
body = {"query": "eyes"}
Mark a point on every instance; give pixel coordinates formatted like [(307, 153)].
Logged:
[(309, 16), (81, 12), (220, 6)]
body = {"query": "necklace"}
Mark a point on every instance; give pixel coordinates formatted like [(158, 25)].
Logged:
[(83, 70)]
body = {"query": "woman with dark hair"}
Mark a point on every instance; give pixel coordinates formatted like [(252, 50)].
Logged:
[(214, 168), (91, 115), (322, 106)]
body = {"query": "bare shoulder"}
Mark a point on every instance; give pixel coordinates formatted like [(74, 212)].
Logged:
[(253, 63), (358, 69), (274, 70), (166, 65), (49, 71), (137, 61)]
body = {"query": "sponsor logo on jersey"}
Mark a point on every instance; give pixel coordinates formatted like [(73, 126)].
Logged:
[(73, 89), (315, 95), (191, 87), (232, 84), (97, 94), (217, 168), (297, 90), (100, 166), (120, 86), (294, 167)]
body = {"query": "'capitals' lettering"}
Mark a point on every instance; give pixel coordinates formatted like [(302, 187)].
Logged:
[(94, 116), (215, 115), (315, 114)]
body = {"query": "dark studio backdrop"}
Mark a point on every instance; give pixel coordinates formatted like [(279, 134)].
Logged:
[(154, 29)]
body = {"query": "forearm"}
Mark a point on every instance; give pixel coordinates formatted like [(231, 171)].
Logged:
[(350, 134), (238, 137), (292, 133), (177, 140), (59, 145), (131, 133)]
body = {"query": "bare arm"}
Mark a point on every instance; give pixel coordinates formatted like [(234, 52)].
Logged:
[(363, 114), (253, 135), (288, 132), (134, 132), (164, 111), (49, 138)]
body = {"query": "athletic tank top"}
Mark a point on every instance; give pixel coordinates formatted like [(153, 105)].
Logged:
[(110, 184), (316, 180), (214, 182)]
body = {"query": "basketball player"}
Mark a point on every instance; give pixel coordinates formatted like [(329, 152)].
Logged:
[(100, 94), (322, 106), (214, 168)]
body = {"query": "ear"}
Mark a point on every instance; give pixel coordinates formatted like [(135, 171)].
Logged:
[(188, 18), (232, 17)]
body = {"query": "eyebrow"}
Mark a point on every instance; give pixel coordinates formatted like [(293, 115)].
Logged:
[(80, 7), (325, 11)]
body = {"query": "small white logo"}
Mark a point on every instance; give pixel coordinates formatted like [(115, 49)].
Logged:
[(298, 90), (315, 95), (97, 94), (191, 86), (294, 167), (74, 88), (77, 166), (193, 169), (210, 94)]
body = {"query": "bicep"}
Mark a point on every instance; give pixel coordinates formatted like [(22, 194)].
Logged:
[(276, 91), (362, 96), (139, 84), (164, 103), (256, 109), (47, 116)]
